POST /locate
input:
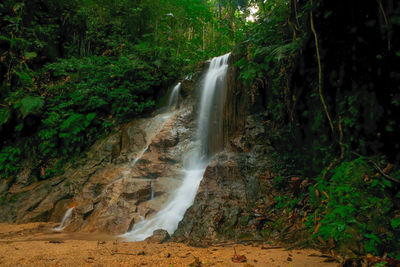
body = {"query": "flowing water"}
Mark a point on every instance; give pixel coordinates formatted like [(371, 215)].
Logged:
[(133, 163), (198, 159), (65, 219), (174, 97), (152, 191)]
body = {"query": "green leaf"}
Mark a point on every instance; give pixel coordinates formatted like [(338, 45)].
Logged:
[(395, 223), (90, 116), (5, 115), (31, 105), (73, 125), (30, 55)]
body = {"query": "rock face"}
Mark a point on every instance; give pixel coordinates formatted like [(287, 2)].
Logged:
[(122, 180), (128, 176), (117, 197), (159, 236), (233, 185), (232, 200)]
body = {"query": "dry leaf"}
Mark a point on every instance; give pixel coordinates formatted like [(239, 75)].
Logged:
[(317, 228), (321, 240), (196, 263), (238, 258)]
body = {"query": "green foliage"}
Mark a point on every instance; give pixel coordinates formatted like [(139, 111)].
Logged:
[(395, 223), (74, 69), (31, 105), (9, 158), (280, 183), (355, 206), (285, 202), (4, 115)]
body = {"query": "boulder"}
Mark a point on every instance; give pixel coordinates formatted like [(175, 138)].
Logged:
[(159, 236)]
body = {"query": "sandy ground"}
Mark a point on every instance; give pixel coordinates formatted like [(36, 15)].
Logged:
[(35, 244)]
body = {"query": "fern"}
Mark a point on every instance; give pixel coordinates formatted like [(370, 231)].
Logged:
[(31, 105), (4, 115)]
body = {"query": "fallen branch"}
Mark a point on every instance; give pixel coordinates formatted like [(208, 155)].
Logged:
[(112, 253), (275, 247), (394, 180), (373, 164)]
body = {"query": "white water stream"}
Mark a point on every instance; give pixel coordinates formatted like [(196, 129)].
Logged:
[(174, 97), (65, 219), (173, 212)]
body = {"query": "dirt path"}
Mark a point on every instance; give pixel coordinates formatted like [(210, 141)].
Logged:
[(36, 245)]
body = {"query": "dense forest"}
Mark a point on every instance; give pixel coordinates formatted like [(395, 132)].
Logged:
[(325, 73)]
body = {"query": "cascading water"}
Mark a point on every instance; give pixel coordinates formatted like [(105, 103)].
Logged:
[(174, 97), (152, 191), (64, 220), (169, 217), (133, 163)]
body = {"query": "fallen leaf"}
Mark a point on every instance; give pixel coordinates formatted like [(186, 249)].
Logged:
[(316, 193), (317, 228), (321, 240), (331, 243), (238, 258), (196, 263)]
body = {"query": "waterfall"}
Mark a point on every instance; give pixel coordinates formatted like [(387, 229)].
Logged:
[(209, 129), (174, 97), (169, 217), (152, 191), (64, 220), (133, 163)]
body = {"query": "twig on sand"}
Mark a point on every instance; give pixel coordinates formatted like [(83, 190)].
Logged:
[(114, 252)]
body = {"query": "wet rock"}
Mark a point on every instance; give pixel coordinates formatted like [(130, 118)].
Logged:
[(187, 87), (108, 192), (233, 184), (117, 196), (132, 137), (59, 210), (159, 236), (218, 204), (112, 146)]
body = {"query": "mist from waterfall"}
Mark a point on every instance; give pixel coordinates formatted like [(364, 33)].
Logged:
[(169, 217)]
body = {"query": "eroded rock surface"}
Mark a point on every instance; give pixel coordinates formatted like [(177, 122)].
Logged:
[(123, 179), (159, 236), (233, 185)]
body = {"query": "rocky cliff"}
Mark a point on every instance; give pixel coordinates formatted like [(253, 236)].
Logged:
[(129, 175), (232, 202), (122, 179)]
